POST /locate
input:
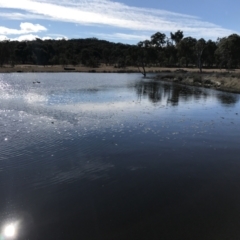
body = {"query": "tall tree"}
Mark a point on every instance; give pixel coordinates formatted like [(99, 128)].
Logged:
[(186, 50), (177, 36), (4, 52), (228, 51), (23, 52), (158, 42), (200, 46), (142, 56), (209, 53), (158, 39)]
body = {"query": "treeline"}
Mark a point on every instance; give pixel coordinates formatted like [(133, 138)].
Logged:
[(159, 50), (90, 52)]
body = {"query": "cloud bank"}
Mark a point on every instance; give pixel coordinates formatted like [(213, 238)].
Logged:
[(111, 14), (25, 28)]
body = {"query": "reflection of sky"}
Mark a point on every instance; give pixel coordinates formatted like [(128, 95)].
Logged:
[(94, 96), (72, 97), (59, 133)]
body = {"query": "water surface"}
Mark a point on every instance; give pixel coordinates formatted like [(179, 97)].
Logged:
[(116, 156)]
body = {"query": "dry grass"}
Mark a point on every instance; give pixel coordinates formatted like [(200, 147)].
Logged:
[(102, 68), (225, 81), (228, 82)]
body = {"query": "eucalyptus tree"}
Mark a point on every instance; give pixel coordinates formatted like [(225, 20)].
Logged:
[(177, 36), (186, 50), (142, 56), (4, 52), (200, 46), (158, 42), (40, 52), (23, 52), (209, 53), (228, 51), (170, 53)]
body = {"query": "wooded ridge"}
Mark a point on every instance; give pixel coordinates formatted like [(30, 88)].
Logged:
[(159, 50)]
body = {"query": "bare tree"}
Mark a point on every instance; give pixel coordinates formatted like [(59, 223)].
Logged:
[(200, 46)]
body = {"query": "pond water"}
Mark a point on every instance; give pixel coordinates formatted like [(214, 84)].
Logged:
[(115, 156)]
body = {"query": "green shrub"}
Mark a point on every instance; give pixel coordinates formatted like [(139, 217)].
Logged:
[(197, 79)]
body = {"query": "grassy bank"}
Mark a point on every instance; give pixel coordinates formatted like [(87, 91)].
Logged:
[(59, 68), (102, 68), (221, 80)]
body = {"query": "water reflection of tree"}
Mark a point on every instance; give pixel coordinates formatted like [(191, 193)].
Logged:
[(151, 89), (228, 98), (158, 92)]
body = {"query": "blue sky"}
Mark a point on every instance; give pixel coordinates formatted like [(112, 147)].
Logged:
[(117, 21)]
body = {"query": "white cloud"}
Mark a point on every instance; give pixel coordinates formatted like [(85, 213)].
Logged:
[(122, 36), (3, 38), (29, 27), (20, 16), (114, 14), (54, 36), (24, 29), (46, 38), (31, 37), (61, 38), (27, 37)]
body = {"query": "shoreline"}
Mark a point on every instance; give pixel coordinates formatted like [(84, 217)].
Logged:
[(101, 69), (219, 79), (222, 81)]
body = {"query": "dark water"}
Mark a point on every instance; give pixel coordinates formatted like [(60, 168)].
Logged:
[(110, 156)]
